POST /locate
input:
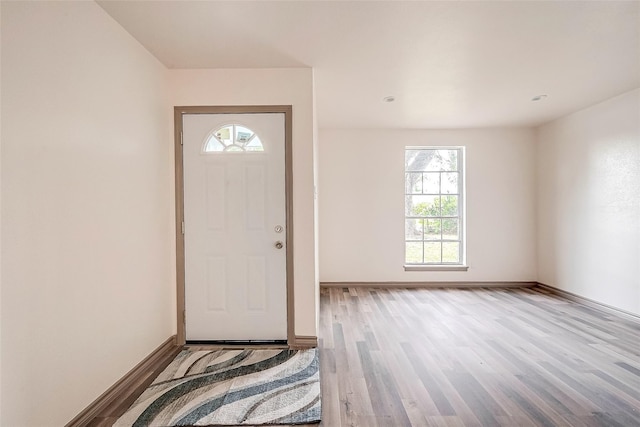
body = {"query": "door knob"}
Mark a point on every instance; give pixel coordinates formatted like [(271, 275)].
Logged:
[(279, 245)]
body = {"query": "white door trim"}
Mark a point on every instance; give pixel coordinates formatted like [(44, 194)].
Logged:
[(179, 205)]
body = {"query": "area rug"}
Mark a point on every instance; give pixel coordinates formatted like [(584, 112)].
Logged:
[(231, 387)]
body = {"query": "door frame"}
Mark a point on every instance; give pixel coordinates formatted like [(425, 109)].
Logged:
[(179, 203)]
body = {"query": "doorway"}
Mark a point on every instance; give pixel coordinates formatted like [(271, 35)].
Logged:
[(234, 224)]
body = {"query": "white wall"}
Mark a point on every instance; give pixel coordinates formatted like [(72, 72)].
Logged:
[(87, 276), (589, 202), (280, 86), (0, 219), (362, 204)]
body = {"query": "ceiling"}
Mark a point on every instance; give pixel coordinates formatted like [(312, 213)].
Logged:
[(448, 64)]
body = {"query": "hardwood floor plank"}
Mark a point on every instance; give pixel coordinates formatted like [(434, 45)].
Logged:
[(471, 357), (629, 368), (384, 397), (584, 385), (476, 398), (538, 412), (554, 396), (410, 388), (632, 391), (465, 335), (611, 420), (437, 396)]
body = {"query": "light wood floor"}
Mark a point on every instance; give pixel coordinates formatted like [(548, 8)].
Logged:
[(470, 357)]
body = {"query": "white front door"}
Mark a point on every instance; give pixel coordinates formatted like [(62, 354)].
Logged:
[(235, 218)]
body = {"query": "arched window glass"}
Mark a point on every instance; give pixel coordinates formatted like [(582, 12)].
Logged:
[(233, 138)]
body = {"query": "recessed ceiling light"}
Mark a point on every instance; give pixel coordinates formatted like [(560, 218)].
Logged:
[(538, 98), (389, 99)]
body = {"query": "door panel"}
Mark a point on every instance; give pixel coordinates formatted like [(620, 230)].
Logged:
[(235, 276)]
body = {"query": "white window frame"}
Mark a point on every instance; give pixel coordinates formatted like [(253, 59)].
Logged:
[(441, 266)]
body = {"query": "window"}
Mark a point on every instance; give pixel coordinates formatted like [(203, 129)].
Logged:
[(233, 138), (434, 206)]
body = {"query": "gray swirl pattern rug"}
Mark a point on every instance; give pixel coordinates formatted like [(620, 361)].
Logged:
[(231, 387)]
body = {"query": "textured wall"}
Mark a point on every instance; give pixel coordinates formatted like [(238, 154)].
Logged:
[(589, 202)]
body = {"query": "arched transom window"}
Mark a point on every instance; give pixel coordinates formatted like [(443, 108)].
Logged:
[(233, 138)]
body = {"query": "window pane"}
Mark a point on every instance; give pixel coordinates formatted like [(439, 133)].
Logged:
[(449, 205), (224, 134), (413, 254), (449, 183), (441, 160), (418, 160), (432, 229), (243, 135), (432, 252), (450, 252), (450, 229), (413, 229), (431, 183), (433, 161), (254, 145), (213, 145), (413, 183), (449, 160), (423, 206)]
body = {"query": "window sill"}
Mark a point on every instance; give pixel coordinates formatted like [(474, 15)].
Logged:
[(436, 267)]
